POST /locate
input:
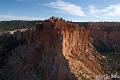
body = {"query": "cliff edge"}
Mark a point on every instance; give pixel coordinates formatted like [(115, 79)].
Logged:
[(54, 50)]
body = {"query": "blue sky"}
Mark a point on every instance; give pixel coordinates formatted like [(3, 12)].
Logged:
[(75, 10)]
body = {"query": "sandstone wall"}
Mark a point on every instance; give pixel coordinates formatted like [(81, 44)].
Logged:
[(55, 50), (105, 36)]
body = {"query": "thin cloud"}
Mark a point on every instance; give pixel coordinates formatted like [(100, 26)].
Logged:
[(10, 17), (92, 9), (67, 7), (112, 10)]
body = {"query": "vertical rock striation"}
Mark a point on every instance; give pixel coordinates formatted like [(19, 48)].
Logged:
[(106, 36), (55, 50)]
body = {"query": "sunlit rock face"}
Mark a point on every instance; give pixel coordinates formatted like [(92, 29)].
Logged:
[(78, 50), (55, 50)]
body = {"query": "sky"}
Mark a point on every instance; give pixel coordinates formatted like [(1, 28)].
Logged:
[(75, 10)]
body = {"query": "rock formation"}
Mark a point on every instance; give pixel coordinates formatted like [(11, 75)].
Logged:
[(106, 36), (106, 39), (56, 50)]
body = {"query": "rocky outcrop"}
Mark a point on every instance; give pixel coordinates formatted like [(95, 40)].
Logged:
[(55, 50), (105, 36)]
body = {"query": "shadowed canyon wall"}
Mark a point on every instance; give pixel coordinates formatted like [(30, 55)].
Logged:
[(105, 36)]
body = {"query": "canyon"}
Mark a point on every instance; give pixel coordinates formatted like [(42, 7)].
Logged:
[(60, 50)]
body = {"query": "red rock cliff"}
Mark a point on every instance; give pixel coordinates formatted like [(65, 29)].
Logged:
[(106, 36), (55, 50)]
